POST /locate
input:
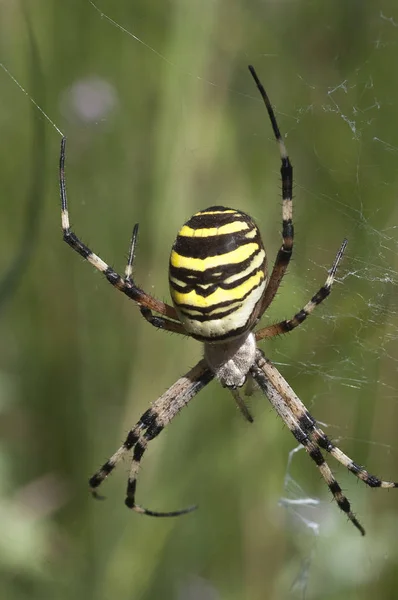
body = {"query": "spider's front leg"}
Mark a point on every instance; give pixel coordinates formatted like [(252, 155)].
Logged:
[(147, 303), (285, 252)]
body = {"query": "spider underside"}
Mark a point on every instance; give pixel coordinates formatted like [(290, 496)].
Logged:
[(219, 301)]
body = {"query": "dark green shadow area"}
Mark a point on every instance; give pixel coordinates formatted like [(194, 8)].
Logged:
[(162, 120)]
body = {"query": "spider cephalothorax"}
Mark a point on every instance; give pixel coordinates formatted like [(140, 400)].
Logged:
[(220, 289)]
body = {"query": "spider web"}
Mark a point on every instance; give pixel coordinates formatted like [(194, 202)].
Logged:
[(356, 109), (339, 130)]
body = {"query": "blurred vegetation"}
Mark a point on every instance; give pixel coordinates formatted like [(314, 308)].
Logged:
[(161, 125)]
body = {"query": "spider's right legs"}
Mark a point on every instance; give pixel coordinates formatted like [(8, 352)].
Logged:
[(147, 303), (148, 427)]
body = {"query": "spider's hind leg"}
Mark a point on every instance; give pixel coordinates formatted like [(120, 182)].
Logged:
[(324, 442), (148, 427), (283, 399)]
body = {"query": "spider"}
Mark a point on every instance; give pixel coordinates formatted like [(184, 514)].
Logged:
[(220, 289)]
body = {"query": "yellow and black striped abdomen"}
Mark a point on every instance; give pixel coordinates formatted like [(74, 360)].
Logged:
[(217, 274)]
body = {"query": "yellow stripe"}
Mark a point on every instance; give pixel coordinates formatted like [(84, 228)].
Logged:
[(255, 264), (202, 264), (220, 295), (234, 227), (215, 212), (177, 281)]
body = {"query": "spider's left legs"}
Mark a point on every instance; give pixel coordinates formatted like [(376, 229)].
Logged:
[(170, 319), (153, 421), (310, 426), (320, 296), (324, 442), (285, 252), (279, 402)]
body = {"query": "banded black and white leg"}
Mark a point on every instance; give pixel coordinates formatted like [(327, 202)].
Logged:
[(289, 324), (284, 255), (171, 322), (152, 422), (169, 319), (310, 427), (278, 401)]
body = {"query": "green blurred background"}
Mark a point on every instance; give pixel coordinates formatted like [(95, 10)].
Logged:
[(159, 127)]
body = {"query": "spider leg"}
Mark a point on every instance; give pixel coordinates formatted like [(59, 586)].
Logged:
[(310, 426), (156, 321), (241, 404), (322, 293), (153, 421), (371, 480), (280, 402), (284, 255), (145, 301)]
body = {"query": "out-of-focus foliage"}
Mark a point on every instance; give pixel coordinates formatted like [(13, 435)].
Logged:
[(163, 119)]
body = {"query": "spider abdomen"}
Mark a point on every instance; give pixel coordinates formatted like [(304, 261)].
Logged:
[(217, 273)]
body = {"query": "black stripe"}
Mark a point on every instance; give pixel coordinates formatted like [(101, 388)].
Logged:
[(138, 452), (300, 435), (300, 316), (215, 286), (99, 477), (129, 502), (287, 229), (206, 318), (204, 221), (217, 208), (283, 257), (147, 418), (354, 468), (373, 481), (95, 481), (316, 456), (287, 178), (286, 326), (153, 431), (131, 488), (321, 295), (307, 422), (212, 245), (112, 276), (343, 501), (73, 241), (344, 504), (131, 439), (334, 487), (325, 443)]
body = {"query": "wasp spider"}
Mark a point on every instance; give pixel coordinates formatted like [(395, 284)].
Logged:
[(220, 289)]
